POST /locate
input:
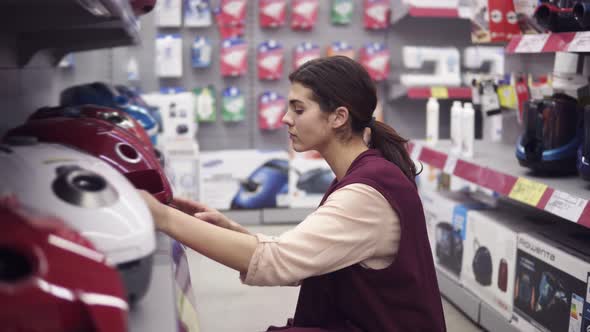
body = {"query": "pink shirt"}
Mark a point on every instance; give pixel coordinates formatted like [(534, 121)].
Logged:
[(355, 224)]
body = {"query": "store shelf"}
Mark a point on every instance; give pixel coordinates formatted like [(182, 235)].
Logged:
[(401, 11), (38, 25), (440, 92), (471, 305), (550, 42), (495, 167)]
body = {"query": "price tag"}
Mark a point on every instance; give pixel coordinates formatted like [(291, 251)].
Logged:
[(527, 191), (450, 165), (566, 205), (531, 43), (439, 92), (580, 43), (415, 155)]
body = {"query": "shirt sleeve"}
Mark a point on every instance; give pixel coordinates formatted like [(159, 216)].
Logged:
[(356, 223)]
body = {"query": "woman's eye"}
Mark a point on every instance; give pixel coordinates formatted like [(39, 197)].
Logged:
[(298, 111)]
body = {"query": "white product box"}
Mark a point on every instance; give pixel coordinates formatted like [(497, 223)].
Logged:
[(168, 13), (244, 179), (429, 179), (309, 178), (489, 256), (169, 55), (177, 109), (446, 222), (182, 167), (551, 280)]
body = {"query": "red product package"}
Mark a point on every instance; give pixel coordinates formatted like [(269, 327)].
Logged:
[(231, 18), (272, 13), (376, 14), (271, 109), (234, 57), (375, 57), (304, 52), (304, 14), (270, 60)]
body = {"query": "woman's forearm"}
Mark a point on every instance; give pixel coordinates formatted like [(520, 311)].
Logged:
[(230, 248)]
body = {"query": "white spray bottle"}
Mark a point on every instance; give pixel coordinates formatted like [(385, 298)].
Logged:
[(432, 120)]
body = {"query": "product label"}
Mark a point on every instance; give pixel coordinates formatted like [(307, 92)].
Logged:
[(566, 205), (527, 191), (460, 220), (580, 43), (532, 43), (439, 92)]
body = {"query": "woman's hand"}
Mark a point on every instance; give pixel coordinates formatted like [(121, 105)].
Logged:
[(205, 213), (158, 210)]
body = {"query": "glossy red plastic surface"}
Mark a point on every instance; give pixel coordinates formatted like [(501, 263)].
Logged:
[(51, 278), (142, 7), (116, 146), (121, 119)]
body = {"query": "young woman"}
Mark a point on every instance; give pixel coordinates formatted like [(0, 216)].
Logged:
[(362, 258)]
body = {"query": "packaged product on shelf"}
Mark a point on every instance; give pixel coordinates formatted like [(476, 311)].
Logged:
[(304, 14), (551, 279), (432, 121), (375, 57), (446, 222), (205, 106), (197, 13), (272, 13), (168, 13), (341, 47), (376, 14), (231, 18), (233, 105), (482, 62), (497, 20), (304, 52), (201, 52), (271, 109), (234, 57), (182, 167), (169, 55), (447, 66), (309, 179), (341, 11), (244, 179), (490, 247), (270, 60), (177, 107), (132, 69)]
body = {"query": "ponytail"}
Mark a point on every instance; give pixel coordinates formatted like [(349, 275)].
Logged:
[(393, 147)]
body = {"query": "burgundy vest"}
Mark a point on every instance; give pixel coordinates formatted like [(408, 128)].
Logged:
[(403, 297)]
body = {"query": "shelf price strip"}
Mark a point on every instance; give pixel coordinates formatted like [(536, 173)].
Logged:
[(527, 191)]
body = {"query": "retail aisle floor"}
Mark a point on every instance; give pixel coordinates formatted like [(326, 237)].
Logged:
[(224, 304)]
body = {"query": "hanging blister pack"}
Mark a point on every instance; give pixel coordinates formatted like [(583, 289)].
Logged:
[(132, 69), (375, 57), (231, 18), (205, 104), (177, 107), (233, 107), (201, 52), (271, 109), (341, 12), (234, 57), (270, 60), (304, 14), (272, 13), (304, 52), (376, 14), (169, 55), (168, 13), (197, 13), (340, 47)]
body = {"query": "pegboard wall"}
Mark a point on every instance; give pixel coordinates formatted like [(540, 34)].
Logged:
[(40, 83)]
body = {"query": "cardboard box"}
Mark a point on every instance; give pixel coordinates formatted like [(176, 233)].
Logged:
[(182, 167), (446, 222), (309, 178), (551, 280), (244, 179)]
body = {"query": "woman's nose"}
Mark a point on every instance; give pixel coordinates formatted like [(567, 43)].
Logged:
[(287, 119)]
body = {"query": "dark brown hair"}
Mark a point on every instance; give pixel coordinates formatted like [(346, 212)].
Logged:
[(339, 81)]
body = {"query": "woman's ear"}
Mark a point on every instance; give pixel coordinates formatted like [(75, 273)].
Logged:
[(339, 117)]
